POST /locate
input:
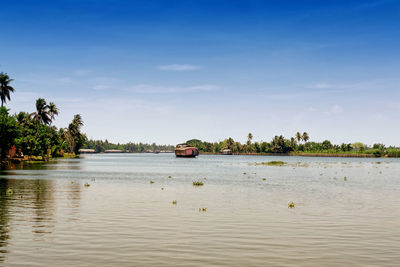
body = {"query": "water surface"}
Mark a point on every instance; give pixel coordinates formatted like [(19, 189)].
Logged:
[(121, 219)]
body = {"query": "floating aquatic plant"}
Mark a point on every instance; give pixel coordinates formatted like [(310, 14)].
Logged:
[(264, 179), (202, 209), (9, 192), (345, 178), (87, 184), (151, 181), (169, 176), (198, 183), (272, 163), (174, 202), (291, 205)]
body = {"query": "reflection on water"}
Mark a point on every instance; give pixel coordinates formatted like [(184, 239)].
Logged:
[(49, 217)]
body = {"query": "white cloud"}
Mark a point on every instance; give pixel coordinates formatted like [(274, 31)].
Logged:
[(152, 89), (179, 67), (321, 86)]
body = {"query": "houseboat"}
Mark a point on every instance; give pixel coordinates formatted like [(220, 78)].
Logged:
[(184, 150), (226, 151)]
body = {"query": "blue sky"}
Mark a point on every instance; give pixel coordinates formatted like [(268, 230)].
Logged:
[(167, 71)]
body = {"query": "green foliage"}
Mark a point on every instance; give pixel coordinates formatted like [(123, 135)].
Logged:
[(326, 145), (101, 146), (376, 152), (198, 183), (393, 152), (36, 138), (31, 132), (42, 115), (5, 88), (201, 146), (8, 131), (73, 136), (272, 163), (9, 192), (359, 147), (280, 144)]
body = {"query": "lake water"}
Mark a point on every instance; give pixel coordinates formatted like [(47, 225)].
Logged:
[(122, 219)]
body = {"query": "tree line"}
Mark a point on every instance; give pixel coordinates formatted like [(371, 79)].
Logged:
[(299, 143), (33, 133), (101, 146)]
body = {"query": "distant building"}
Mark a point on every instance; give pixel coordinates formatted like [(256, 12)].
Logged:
[(86, 150), (114, 151)]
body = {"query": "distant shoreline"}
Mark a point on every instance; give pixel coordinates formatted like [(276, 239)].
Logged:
[(300, 154), (338, 155)]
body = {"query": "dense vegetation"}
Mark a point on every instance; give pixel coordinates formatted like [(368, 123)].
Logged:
[(101, 146), (299, 144), (32, 133)]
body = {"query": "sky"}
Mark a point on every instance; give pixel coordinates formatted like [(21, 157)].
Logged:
[(167, 71)]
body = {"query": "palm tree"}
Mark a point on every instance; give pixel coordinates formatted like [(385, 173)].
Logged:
[(5, 88), (42, 114), (73, 134), (305, 137), (77, 122), (298, 136), (53, 110), (249, 138)]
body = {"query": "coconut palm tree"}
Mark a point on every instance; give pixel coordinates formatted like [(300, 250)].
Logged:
[(77, 122), (298, 136), (42, 114), (53, 110), (249, 138), (5, 87), (73, 134), (305, 137)]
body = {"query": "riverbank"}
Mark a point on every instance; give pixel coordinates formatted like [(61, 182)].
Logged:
[(33, 159), (303, 154)]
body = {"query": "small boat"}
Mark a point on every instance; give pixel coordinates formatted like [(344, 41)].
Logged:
[(184, 150)]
